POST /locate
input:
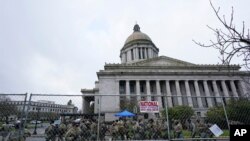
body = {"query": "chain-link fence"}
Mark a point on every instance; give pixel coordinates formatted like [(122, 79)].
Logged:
[(98, 117), (12, 116)]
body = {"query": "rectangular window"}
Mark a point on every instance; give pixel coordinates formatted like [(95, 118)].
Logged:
[(143, 53), (139, 52)]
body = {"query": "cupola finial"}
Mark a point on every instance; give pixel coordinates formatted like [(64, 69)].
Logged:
[(136, 28)]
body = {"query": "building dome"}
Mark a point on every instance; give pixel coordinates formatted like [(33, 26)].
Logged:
[(137, 35), (138, 46)]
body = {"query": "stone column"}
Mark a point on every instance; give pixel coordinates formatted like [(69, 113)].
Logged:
[(134, 52), (129, 58), (216, 91), (169, 98), (145, 55), (198, 94), (178, 91), (224, 88), (117, 98), (138, 90), (158, 93), (235, 94), (148, 90), (127, 90), (207, 93), (243, 87), (151, 53), (141, 52), (117, 83), (189, 98), (84, 108)]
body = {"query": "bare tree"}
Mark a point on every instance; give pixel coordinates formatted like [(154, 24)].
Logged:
[(229, 41)]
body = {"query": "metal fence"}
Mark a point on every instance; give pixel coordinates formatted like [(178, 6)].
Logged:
[(12, 116), (92, 117)]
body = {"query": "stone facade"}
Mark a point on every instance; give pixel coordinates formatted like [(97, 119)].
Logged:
[(152, 76)]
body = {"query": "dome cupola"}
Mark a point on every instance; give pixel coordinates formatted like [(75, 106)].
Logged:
[(138, 46)]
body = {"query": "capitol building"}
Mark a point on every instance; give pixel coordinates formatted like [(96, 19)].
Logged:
[(143, 75)]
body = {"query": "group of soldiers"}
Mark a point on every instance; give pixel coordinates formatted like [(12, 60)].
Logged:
[(72, 130), (123, 129), (198, 129)]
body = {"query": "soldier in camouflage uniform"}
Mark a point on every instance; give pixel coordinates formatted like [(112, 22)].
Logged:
[(62, 131), (73, 134), (201, 129), (50, 133)]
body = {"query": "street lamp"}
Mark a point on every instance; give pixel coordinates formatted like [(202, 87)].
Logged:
[(37, 116)]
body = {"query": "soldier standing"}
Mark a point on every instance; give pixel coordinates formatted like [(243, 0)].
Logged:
[(201, 129), (192, 128), (50, 133), (62, 131), (73, 134), (178, 130)]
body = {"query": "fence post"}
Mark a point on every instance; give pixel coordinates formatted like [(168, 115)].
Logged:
[(27, 111), (99, 114), (225, 112), (166, 109), (22, 125)]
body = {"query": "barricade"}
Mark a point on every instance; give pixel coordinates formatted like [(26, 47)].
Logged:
[(145, 117)]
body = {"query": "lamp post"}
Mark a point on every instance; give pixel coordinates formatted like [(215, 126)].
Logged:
[(38, 109)]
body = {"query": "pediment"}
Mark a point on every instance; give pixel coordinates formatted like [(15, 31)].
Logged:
[(162, 61)]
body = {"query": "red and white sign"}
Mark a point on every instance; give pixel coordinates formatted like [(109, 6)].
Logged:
[(149, 106)]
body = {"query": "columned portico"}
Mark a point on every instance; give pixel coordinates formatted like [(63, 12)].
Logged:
[(218, 90)]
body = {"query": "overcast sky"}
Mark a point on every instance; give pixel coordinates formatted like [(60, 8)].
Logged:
[(57, 46)]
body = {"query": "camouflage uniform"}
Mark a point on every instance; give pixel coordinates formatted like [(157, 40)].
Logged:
[(62, 131), (73, 134), (178, 130), (201, 129), (50, 133), (6, 131)]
